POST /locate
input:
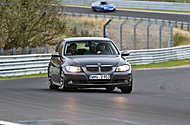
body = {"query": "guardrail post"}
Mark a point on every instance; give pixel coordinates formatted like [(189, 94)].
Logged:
[(121, 34), (46, 49), (38, 49), (1, 51), (171, 37), (188, 27), (135, 27), (13, 51), (26, 50), (148, 34), (175, 24), (160, 34), (104, 30), (182, 25)]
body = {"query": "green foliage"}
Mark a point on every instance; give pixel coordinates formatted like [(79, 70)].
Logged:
[(25, 76), (74, 30), (85, 33), (29, 23), (183, 1), (179, 39)]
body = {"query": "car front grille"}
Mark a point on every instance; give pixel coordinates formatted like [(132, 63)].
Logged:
[(106, 69), (96, 68), (92, 69)]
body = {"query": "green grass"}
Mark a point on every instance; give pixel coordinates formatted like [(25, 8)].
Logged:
[(183, 1), (179, 39), (171, 63), (25, 76)]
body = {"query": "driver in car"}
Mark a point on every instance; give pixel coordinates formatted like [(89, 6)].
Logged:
[(72, 49), (101, 49)]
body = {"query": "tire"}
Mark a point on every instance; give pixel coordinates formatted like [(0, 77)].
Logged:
[(110, 88), (53, 87), (113, 10), (63, 85), (126, 89), (94, 9), (63, 82)]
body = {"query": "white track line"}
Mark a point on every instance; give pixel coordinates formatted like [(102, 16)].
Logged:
[(8, 123), (91, 119)]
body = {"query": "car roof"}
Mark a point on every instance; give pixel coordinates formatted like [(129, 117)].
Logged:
[(86, 39)]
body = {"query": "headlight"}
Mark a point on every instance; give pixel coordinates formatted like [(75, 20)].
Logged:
[(122, 68), (73, 69)]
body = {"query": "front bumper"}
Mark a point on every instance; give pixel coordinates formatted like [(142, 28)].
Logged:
[(82, 79)]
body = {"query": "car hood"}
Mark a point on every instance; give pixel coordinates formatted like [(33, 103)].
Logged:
[(94, 60)]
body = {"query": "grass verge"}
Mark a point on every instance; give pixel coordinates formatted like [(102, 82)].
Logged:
[(171, 63), (25, 76), (181, 37)]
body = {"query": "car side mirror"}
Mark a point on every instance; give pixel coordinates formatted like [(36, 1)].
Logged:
[(125, 53), (56, 54)]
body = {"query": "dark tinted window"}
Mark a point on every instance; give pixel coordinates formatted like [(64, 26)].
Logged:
[(103, 3), (90, 48)]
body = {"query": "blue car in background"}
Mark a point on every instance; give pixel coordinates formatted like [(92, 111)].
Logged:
[(103, 6)]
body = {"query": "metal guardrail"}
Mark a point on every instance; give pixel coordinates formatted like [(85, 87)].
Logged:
[(16, 65), (148, 56)]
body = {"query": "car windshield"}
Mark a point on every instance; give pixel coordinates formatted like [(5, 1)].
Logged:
[(90, 48), (103, 3)]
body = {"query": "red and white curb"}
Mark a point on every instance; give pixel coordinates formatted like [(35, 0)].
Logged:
[(8, 123)]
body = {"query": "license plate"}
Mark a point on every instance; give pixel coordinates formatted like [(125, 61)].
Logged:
[(96, 77)]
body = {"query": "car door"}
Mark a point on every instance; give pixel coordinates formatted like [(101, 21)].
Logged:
[(55, 64)]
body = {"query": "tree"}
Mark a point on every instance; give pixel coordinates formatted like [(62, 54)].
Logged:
[(29, 23)]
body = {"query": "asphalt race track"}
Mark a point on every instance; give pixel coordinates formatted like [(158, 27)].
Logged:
[(137, 14), (160, 97)]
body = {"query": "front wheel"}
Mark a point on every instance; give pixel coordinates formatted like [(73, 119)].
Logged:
[(126, 89), (94, 9), (53, 86)]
